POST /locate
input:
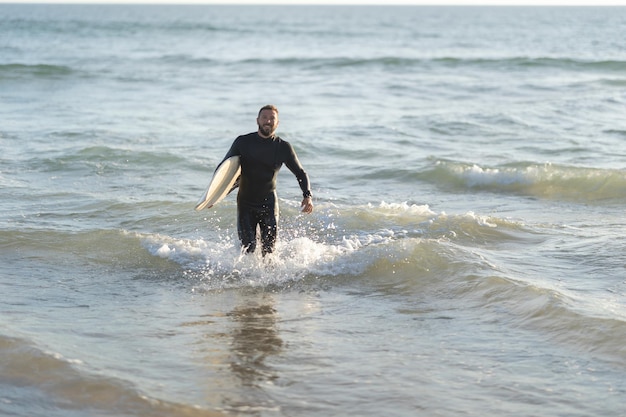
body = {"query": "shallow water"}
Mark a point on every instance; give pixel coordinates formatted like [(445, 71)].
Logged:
[(466, 254)]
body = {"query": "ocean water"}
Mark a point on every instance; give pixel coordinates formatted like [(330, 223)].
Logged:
[(466, 255)]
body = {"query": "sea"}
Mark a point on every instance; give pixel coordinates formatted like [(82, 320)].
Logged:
[(467, 251)]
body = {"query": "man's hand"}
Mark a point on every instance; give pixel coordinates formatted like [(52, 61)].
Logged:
[(307, 205)]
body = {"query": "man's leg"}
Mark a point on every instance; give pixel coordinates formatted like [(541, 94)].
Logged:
[(269, 231), (268, 223), (246, 228)]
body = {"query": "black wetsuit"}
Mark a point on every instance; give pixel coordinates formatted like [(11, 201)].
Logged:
[(257, 204)]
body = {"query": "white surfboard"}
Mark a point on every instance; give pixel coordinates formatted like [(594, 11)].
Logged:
[(222, 182)]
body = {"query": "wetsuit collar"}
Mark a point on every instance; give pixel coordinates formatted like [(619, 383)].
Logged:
[(271, 137)]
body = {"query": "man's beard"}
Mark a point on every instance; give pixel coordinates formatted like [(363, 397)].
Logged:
[(266, 130)]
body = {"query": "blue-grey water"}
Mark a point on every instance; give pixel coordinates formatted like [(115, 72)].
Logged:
[(466, 256)]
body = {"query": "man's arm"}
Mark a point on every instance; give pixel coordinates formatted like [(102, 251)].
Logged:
[(293, 164)]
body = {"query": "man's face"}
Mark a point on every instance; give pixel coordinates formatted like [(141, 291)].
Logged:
[(268, 122)]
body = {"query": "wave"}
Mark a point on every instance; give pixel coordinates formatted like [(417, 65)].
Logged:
[(106, 247), (548, 181), (63, 385), (410, 251), (573, 321), (391, 249), (405, 63), (537, 62), (341, 243), (337, 239), (34, 71), (399, 62), (100, 159), (19, 71), (115, 25)]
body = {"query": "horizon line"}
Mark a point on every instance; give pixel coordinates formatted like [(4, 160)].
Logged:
[(429, 3)]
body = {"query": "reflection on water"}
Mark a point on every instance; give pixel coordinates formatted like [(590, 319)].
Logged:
[(233, 348), (254, 339)]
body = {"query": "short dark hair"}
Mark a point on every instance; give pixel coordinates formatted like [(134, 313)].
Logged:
[(268, 107)]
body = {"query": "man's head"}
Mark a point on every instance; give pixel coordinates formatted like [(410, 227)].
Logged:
[(267, 120)]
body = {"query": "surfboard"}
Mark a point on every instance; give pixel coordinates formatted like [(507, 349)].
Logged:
[(221, 184)]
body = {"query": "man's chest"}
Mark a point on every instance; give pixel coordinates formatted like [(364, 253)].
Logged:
[(260, 154)]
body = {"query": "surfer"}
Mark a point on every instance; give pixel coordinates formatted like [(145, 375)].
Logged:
[(262, 154)]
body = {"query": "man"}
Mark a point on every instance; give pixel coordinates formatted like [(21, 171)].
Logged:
[(262, 154)]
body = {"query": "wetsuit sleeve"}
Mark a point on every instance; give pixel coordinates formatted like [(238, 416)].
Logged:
[(234, 150), (293, 164)]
